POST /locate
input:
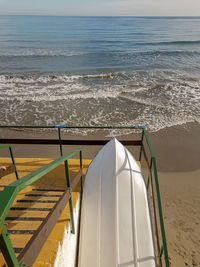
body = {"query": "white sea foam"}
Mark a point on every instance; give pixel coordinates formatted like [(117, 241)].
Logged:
[(39, 52), (158, 99)]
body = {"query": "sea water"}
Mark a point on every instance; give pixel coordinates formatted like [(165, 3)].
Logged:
[(99, 70)]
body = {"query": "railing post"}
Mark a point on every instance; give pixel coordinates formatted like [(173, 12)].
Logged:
[(81, 167), (13, 161), (161, 252), (147, 184), (70, 200), (160, 213), (60, 141), (148, 142), (140, 156), (7, 249)]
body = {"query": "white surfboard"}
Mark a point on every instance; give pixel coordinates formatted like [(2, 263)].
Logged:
[(115, 222)]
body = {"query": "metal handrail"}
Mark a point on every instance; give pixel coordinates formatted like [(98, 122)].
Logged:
[(71, 127), (59, 127), (10, 192), (162, 228)]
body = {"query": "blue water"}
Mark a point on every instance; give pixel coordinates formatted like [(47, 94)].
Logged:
[(100, 70)]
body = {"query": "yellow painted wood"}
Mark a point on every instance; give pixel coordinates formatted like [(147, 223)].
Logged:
[(22, 196), (19, 241), (2, 261), (30, 213), (49, 250), (139, 163), (23, 225), (56, 179), (33, 205)]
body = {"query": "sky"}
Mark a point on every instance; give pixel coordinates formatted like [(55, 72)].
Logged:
[(101, 7)]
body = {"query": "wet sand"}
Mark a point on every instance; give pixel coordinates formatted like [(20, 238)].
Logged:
[(177, 150)]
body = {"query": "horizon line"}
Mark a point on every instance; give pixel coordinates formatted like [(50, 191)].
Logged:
[(138, 16)]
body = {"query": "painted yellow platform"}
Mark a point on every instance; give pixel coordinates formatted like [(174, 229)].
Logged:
[(56, 179)]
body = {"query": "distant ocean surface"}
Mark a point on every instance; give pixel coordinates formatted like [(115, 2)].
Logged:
[(99, 70)]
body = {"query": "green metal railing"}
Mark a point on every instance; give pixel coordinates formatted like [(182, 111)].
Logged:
[(152, 166), (59, 127), (151, 180), (71, 127), (8, 195)]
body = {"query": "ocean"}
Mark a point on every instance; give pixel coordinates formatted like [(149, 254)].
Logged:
[(99, 71)]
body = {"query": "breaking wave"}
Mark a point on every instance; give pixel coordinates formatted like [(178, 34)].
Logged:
[(158, 99), (40, 53)]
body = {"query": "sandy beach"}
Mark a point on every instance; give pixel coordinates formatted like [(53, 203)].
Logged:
[(181, 208), (177, 150)]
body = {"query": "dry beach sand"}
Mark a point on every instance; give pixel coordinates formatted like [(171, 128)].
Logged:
[(181, 207), (177, 150)]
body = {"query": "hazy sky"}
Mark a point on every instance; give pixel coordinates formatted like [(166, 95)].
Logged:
[(101, 7)]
